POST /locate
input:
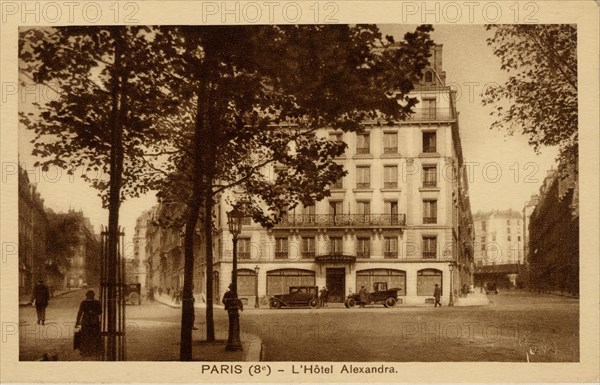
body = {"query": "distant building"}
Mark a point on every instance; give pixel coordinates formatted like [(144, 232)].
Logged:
[(32, 234), (164, 252), (554, 236), (137, 263), (81, 249), (498, 242)]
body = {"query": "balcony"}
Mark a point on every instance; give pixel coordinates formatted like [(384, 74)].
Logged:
[(343, 220), (430, 183), (281, 255), (427, 115)]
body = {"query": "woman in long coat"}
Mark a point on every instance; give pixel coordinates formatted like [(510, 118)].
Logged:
[(88, 318)]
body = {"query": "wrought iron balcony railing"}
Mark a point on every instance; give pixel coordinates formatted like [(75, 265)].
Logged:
[(342, 220), (431, 114)]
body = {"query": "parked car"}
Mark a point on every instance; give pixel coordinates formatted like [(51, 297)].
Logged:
[(491, 287), (297, 296), (381, 295), (133, 293)]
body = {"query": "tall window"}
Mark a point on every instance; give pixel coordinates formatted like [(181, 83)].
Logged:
[(390, 176), (390, 142), (391, 211), (335, 136), (308, 214), (336, 210), (429, 246), (363, 207), (429, 211), (426, 281), (338, 183), (363, 143), (335, 245), (390, 247), (281, 248), (308, 247), (429, 141), (429, 176), (363, 177), (363, 247), (243, 248), (429, 108)]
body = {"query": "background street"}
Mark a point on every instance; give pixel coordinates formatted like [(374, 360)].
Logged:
[(514, 324)]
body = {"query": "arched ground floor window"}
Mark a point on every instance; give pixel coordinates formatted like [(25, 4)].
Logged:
[(279, 281), (246, 281), (426, 280), (394, 278)]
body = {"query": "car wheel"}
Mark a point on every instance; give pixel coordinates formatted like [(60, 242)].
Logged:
[(313, 303), (134, 298), (390, 302), (351, 302), (274, 304)]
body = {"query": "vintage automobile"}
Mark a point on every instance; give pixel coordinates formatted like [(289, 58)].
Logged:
[(133, 293), (491, 287), (297, 296), (381, 295)]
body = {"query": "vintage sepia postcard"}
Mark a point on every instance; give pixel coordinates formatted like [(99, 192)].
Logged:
[(299, 192)]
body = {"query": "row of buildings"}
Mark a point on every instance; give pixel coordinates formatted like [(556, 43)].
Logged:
[(60, 249), (537, 248), (401, 215)]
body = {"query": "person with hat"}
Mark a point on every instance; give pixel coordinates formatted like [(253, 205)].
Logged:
[(40, 298), (437, 294)]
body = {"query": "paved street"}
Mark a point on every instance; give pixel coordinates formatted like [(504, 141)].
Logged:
[(505, 330), (514, 324)]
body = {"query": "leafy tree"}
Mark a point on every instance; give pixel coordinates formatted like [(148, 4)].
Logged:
[(105, 118), (61, 238), (539, 98), (257, 96)]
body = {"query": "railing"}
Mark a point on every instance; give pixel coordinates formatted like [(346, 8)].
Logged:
[(243, 255), (390, 150), (430, 183), (390, 184), (308, 254), (363, 254), (342, 220), (281, 254), (363, 185), (427, 114), (363, 150), (390, 254), (429, 254), (429, 219), (429, 149)]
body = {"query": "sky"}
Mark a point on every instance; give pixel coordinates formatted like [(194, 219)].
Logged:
[(504, 170)]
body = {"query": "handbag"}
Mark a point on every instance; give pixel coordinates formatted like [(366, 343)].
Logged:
[(76, 340)]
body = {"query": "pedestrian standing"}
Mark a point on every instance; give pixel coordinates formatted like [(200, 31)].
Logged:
[(364, 296), (88, 317), (321, 297), (437, 294), (227, 298), (40, 298), (325, 296)]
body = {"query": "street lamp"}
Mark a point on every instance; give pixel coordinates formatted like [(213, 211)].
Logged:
[(234, 220), (451, 267), (256, 269)]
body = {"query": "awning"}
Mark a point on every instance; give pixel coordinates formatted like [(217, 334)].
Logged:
[(335, 258)]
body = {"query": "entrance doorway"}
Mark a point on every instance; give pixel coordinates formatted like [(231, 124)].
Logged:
[(335, 280)]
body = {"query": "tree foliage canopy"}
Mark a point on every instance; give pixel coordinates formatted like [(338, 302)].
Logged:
[(540, 97), (268, 88)]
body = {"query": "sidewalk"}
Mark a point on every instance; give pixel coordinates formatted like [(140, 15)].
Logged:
[(472, 299), (24, 300), (168, 301)]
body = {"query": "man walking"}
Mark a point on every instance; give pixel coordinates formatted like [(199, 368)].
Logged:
[(437, 294), (40, 297)]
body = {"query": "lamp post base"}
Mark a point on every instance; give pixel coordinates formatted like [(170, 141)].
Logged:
[(234, 343)]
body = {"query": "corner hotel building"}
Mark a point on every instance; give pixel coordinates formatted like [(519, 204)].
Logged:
[(401, 215)]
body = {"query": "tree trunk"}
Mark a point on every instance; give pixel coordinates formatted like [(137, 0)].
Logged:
[(194, 208), (116, 171)]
